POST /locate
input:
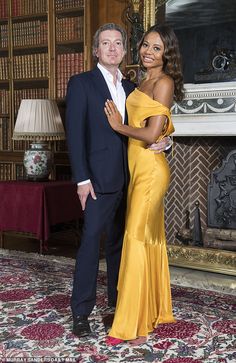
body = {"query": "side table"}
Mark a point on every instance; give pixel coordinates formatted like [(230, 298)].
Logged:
[(33, 207)]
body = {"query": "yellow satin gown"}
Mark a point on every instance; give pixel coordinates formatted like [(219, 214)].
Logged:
[(144, 297)]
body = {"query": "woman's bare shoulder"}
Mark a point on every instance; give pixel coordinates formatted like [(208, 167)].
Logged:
[(165, 81), (163, 90)]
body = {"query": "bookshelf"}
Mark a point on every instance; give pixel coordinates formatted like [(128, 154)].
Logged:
[(5, 105), (42, 43)]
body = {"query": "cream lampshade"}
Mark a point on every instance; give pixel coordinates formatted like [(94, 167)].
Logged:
[(39, 121)]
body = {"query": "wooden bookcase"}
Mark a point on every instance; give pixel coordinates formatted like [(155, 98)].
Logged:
[(42, 43)]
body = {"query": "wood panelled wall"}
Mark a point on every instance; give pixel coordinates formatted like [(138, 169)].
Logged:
[(108, 11)]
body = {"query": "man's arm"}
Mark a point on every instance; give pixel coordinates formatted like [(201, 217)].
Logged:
[(76, 110)]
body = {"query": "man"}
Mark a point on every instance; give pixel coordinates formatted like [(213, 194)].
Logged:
[(99, 165)]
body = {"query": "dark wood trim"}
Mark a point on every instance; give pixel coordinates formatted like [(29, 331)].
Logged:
[(17, 157), (11, 156)]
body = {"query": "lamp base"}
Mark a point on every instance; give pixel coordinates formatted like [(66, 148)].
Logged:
[(38, 161)]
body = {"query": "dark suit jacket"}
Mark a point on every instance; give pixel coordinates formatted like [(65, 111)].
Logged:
[(96, 151)]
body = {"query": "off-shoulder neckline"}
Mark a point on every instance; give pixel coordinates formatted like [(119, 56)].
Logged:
[(150, 97)]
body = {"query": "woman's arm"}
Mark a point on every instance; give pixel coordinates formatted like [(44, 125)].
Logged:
[(163, 93)]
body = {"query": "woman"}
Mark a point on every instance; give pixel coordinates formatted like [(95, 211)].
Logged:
[(144, 297)]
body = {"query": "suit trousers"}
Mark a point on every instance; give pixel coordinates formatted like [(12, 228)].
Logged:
[(106, 214)]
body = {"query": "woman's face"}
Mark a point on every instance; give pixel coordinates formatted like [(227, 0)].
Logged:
[(152, 50)]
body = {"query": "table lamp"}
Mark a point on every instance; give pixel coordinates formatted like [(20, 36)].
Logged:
[(39, 121)]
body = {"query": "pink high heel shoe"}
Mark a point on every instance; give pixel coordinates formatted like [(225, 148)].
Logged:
[(113, 341)]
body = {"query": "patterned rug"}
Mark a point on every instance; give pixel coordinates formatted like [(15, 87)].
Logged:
[(35, 321)]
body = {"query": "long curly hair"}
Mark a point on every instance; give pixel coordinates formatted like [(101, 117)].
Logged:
[(171, 57)]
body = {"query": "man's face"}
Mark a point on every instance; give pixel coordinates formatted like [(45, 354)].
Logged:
[(110, 51)]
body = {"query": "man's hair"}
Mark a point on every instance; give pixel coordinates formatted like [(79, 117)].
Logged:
[(108, 26)]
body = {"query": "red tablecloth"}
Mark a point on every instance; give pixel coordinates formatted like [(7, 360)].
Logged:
[(33, 207)]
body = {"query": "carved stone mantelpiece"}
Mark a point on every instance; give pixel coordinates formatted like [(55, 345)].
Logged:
[(203, 259), (207, 110)]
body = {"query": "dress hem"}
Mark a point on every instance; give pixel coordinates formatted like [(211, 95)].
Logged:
[(169, 321)]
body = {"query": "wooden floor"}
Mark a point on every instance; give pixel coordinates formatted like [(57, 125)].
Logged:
[(65, 243), (61, 245)]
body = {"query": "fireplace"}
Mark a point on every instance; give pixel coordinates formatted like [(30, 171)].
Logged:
[(222, 195), (205, 124)]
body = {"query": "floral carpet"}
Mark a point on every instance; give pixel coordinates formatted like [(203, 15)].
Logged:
[(35, 320)]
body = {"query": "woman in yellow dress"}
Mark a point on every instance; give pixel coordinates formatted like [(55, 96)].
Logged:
[(144, 297)]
